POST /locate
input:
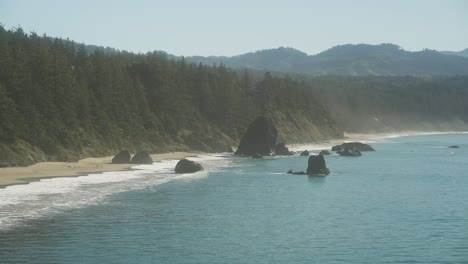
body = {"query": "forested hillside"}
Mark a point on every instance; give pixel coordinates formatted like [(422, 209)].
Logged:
[(60, 102), (385, 104)]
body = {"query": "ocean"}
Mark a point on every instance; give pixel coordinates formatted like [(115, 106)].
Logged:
[(407, 202)]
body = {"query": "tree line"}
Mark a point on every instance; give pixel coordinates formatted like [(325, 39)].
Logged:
[(58, 101)]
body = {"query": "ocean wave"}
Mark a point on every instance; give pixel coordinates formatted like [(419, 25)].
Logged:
[(22, 203)]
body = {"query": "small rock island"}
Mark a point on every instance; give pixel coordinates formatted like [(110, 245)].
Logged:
[(315, 166)]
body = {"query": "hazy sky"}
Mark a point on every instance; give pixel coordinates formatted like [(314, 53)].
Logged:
[(218, 27)]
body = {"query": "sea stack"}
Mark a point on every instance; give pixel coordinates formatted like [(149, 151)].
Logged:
[(259, 139), (123, 157), (142, 157), (317, 166), (187, 166)]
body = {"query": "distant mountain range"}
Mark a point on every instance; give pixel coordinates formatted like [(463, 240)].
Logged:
[(463, 53), (355, 60)]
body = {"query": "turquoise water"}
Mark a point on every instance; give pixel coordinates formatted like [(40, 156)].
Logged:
[(405, 203)]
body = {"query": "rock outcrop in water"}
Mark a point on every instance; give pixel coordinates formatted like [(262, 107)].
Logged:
[(317, 166), (353, 146), (325, 152), (305, 153), (281, 149), (352, 149), (187, 166), (142, 157), (454, 146), (296, 172), (349, 153), (123, 157), (260, 138)]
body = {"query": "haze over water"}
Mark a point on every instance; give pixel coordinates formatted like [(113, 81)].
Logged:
[(404, 203)]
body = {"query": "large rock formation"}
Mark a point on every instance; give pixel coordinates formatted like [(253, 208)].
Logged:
[(281, 149), (349, 153), (354, 146), (142, 157), (123, 157), (187, 166), (317, 166), (260, 138)]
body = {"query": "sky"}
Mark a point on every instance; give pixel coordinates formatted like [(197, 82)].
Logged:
[(218, 27)]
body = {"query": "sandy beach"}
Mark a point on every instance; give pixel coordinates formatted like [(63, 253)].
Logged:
[(23, 175)]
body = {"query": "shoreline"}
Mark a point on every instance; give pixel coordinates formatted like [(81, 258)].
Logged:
[(46, 170)]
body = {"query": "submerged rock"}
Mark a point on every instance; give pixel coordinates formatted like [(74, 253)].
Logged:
[(260, 138), (281, 149), (123, 157), (317, 166), (353, 145), (296, 172), (305, 153), (454, 146), (325, 152), (187, 166), (142, 157)]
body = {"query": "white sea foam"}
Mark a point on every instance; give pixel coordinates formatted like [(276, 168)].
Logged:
[(20, 203), (310, 147)]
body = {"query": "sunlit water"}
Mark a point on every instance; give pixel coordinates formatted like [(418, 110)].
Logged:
[(405, 203)]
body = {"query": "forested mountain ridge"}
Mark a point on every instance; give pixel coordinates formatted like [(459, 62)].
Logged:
[(353, 60), (58, 101)]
